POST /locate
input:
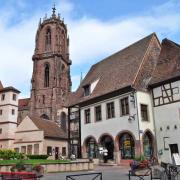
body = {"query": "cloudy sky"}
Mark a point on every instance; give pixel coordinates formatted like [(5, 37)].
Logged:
[(97, 28)]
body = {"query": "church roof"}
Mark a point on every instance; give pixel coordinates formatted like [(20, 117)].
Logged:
[(115, 72), (23, 104), (50, 128), (168, 65)]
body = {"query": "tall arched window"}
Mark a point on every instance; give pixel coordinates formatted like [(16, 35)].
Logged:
[(46, 76), (48, 40), (63, 121)]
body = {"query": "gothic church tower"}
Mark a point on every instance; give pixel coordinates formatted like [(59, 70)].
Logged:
[(51, 68)]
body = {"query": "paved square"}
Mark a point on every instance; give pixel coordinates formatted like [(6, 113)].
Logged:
[(108, 173)]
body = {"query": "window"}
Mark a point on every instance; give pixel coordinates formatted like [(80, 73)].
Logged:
[(1, 111), (63, 121), (124, 106), (43, 97), (87, 90), (23, 149), (16, 149), (29, 149), (46, 75), (98, 113), (13, 111), (144, 112), (0, 130), (87, 116), (3, 97), (110, 110), (48, 40), (49, 150), (63, 151), (14, 97), (36, 149)]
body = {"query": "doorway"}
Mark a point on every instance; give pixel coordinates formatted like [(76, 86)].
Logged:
[(127, 146), (174, 149), (108, 143), (56, 152), (148, 145)]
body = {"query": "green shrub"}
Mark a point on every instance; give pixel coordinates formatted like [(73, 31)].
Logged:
[(19, 166), (42, 156), (10, 154)]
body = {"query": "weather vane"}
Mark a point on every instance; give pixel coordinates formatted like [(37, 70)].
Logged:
[(54, 10)]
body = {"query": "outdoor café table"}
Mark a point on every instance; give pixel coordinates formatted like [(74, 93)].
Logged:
[(18, 176), (141, 173)]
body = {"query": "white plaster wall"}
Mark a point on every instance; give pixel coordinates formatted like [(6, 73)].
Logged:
[(7, 113), (53, 144), (23, 125), (111, 126), (167, 115), (93, 85), (29, 136), (19, 145), (145, 98), (8, 129), (9, 98)]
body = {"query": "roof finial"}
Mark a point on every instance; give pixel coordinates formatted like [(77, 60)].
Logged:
[(81, 78), (54, 10)]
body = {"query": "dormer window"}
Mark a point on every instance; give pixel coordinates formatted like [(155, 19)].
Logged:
[(87, 90)]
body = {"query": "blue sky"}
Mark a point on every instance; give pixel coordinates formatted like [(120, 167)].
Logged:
[(97, 28)]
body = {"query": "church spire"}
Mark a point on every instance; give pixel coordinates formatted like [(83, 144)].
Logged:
[(54, 11)]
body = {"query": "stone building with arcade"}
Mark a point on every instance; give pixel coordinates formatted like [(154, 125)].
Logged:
[(128, 103), (115, 107)]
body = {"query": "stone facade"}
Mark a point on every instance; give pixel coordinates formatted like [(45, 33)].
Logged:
[(32, 139), (51, 81)]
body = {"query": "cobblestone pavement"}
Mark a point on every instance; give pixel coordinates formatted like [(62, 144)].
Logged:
[(108, 173)]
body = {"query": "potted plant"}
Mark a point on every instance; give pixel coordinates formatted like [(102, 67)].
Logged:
[(38, 170)]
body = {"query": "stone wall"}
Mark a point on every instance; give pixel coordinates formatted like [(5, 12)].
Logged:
[(59, 167)]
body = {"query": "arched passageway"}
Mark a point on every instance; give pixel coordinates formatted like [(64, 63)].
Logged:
[(148, 144), (107, 142), (91, 147), (126, 146)]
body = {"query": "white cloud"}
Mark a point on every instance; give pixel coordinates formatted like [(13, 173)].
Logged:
[(89, 38)]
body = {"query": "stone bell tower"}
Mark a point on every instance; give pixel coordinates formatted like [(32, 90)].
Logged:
[(51, 80)]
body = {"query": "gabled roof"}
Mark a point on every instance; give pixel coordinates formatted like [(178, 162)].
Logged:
[(115, 72), (10, 88), (50, 128), (168, 65), (23, 104)]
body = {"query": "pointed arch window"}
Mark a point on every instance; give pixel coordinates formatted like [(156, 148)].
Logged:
[(48, 40), (46, 76)]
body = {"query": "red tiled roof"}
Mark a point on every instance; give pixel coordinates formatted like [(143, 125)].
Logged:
[(117, 71), (168, 65), (50, 128)]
